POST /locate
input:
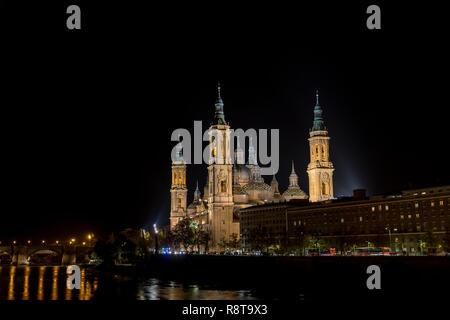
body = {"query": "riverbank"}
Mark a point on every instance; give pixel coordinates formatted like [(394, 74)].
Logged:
[(316, 277)]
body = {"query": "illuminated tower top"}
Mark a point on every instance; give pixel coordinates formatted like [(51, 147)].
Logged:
[(318, 124), (219, 116)]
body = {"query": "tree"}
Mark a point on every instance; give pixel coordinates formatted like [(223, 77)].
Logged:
[(185, 233), (106, 251), (234, 243), (446, 240), (430, 239), (315, 240)]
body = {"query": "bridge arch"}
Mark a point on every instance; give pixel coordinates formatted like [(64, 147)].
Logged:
[(5, 257), (44, 253)]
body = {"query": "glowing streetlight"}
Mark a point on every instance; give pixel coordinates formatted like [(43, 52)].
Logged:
[(29, 241), (14, 242), (57, 241), (43, 241), (72, 240), (84, 243)]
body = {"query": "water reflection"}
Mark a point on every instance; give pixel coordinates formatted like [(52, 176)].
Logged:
[(26, 284), (43, 283), (49, 283), (12, 274), (55, 283)]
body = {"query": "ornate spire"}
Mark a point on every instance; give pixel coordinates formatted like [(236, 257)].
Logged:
[(219, 116), (293, 178), (274, 179), (318, 124), (179, 151), (251, 153), (196, 189)]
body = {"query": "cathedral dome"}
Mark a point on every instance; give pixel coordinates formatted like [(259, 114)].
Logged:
[(297, 193), (239, 194), (257, 186), (294, 193), (238, 190), (242, 174)]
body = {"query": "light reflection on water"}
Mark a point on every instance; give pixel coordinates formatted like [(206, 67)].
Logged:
[(49, 283), (154, 289), (42, 283)]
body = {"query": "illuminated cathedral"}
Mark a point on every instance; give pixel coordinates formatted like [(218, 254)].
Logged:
[(231, 186)]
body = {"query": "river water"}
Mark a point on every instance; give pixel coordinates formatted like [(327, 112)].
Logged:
[(49, 283)]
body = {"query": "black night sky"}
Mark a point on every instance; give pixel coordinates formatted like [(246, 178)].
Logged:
[(87, 116)]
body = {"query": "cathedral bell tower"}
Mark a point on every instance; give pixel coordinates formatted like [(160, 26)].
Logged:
[(320, 169), (178, 190), (220, 179)]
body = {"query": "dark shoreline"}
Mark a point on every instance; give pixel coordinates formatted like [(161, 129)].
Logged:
[(334, 278)]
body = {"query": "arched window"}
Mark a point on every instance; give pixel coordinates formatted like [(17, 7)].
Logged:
[(324, 155), (222, 186), (324, 188), (184, 177), (179, 177), (213, 149), (317, 151), (179, 202)]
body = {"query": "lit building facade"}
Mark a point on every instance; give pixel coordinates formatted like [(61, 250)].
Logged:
[(320, 168), (409, 223), (232, 186)]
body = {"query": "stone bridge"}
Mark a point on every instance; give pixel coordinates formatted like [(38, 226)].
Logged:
[(67, 254)]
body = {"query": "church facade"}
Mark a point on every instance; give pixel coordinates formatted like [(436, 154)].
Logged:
[(232, 185)]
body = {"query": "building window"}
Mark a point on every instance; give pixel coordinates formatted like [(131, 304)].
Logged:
[(417, 215), (402, 216), (179, 202), (360, 219), (295, 223), (342, 220), (373, 209), (416, 205), (441, 202), (222, 186), (386, 207), (380, 207), (324, 188), (409, 216), (432, 203)]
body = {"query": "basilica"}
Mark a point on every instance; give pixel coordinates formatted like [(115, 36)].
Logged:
[(231, 186)]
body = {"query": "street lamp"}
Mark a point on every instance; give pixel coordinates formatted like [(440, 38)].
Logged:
[(421, 247), (390, 237), (156, 238)]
